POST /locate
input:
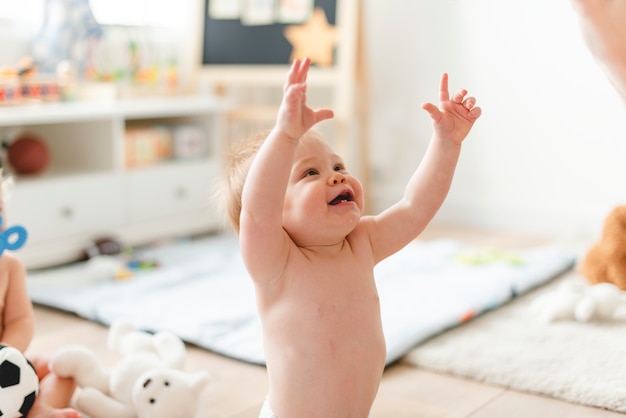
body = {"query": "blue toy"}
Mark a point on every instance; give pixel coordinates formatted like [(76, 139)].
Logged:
[(13, 238)]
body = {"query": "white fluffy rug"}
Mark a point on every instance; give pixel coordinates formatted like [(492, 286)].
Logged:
[(583, 363)]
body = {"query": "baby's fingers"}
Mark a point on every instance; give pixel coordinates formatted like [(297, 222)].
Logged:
[(432, 110), (458, 97), (323, 114), (475, 113), (297, 73), (469, 103), (295, 95), (444, 95), (291, 75)]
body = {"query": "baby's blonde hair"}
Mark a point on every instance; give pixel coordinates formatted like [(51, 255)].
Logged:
[(236, 166)]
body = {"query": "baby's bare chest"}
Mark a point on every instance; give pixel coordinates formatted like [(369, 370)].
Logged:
[(335, 300), (344, 282)]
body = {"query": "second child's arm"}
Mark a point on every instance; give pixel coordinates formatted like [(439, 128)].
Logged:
[(264, 243), (19, 323), (602, 26), (429, 185)]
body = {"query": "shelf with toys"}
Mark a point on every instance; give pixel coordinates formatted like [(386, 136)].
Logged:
[(135, 170)]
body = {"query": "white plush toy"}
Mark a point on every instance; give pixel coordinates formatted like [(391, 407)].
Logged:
[(147, 382), (579, 301)]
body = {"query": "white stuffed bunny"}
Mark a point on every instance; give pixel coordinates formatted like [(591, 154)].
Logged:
[(580, 302), (147, 382)]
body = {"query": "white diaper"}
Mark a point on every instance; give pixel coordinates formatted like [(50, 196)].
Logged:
[(266, 411)]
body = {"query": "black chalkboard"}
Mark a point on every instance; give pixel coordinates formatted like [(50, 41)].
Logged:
[(229, 42)]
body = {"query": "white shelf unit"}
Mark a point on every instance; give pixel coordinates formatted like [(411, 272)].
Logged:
[(86, 191)]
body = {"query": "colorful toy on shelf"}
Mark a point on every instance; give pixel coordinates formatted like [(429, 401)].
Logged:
[(22, 83), (69, 31), (190, 142), (147, 145), (10, 90)]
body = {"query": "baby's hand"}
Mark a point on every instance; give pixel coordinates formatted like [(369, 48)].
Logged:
[(294, 116), (454, 118)]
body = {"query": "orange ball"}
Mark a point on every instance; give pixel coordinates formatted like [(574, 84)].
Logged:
[(28, 154)]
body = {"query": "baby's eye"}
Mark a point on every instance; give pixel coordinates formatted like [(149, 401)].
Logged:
[(339, 167), (310, 173)]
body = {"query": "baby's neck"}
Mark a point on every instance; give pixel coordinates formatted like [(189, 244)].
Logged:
[(324, 249)]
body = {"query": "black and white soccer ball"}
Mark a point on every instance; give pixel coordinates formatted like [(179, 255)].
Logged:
[(19, 384)]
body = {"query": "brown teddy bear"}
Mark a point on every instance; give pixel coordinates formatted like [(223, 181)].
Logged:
[(606, 260)]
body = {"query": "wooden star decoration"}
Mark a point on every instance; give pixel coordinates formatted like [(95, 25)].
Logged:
[(315, 39)]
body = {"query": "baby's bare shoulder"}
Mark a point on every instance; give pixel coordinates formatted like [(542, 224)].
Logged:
[(364, 232)]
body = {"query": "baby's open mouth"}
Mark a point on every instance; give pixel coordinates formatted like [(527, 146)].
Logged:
[(343, 197)]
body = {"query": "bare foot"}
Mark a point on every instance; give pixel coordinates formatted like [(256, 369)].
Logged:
[(55, 395), (40, 364), (41, 410)]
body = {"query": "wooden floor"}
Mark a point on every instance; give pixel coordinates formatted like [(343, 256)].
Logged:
[(237, 389)]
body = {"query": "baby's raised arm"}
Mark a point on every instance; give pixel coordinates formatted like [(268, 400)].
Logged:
[(263, 241), (429, 185)]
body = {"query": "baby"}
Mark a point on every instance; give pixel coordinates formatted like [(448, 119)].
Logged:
[(17, 327), (311, 252)]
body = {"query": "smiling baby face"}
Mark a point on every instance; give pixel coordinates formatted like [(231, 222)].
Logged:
[(323, 202)]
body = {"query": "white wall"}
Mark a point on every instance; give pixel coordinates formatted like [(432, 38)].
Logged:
[(19, 23), (547, 156)]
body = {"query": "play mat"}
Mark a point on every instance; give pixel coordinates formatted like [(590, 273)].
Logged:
[(199, 290)]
